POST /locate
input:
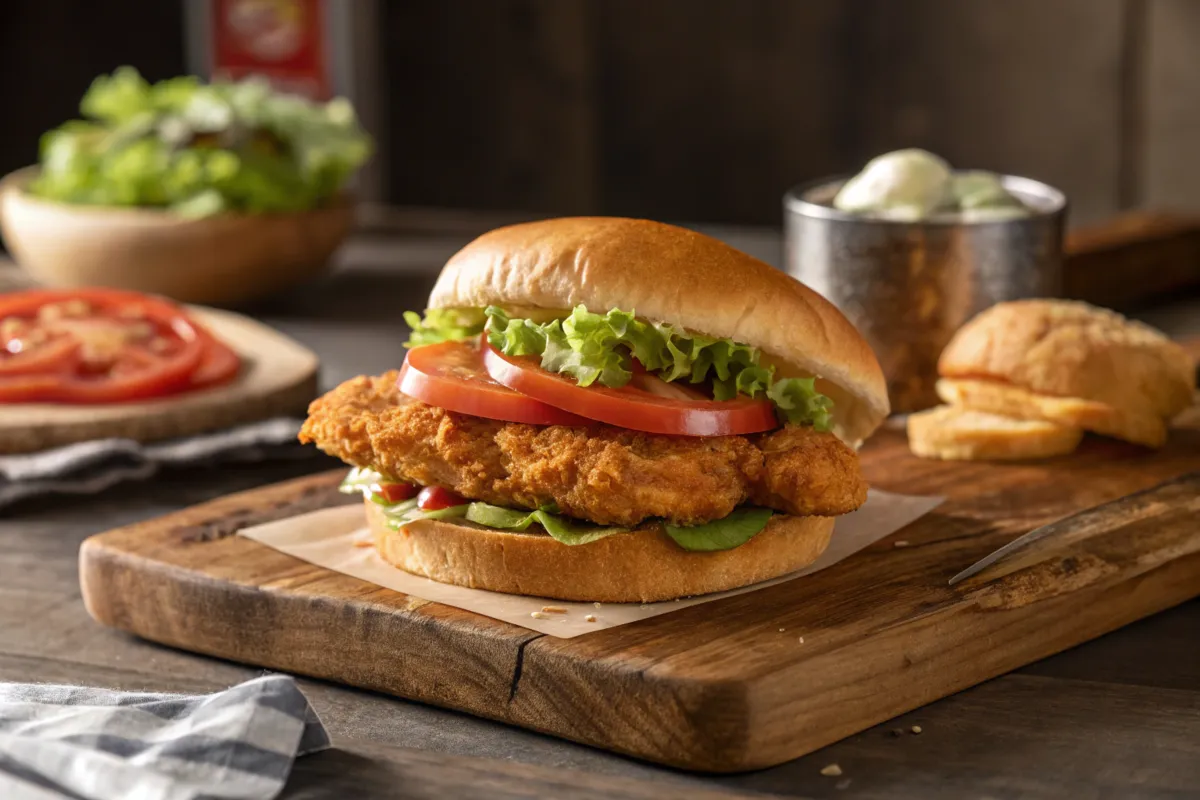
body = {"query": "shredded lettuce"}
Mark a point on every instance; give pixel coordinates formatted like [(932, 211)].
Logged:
[(443, 324), (200, 149), (567, 531), (599, 348), (722, 534), (359, 480), (400, 514)]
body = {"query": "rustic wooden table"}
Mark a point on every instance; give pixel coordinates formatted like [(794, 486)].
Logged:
[(1118, 717)]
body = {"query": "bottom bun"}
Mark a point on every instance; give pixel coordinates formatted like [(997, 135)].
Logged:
[(1012, 401), (641, 566), (959, 434)]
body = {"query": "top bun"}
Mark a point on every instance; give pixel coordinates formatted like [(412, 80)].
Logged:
[(674, 275), (1066, 348)]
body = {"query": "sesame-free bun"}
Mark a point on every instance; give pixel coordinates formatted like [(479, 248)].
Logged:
[(1070, 363), (958, 434), (674, 275), (642, 566), (997, 397)]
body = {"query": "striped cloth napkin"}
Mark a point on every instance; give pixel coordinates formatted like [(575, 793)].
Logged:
[(92, 467), (99, 744)]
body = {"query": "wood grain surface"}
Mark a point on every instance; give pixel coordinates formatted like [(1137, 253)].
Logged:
[(278, 377), (743, 683), (1133, 259), (1116, 717)]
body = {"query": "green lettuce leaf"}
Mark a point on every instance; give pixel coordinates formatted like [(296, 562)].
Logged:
[(515, 337), (723, 534), (798, 398), (599, 348), (443, 324), (405, 512), (359, 480), (568, 532), (200, 149)]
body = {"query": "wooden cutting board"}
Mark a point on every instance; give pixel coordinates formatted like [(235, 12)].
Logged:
[(736, 684), (278, 377)]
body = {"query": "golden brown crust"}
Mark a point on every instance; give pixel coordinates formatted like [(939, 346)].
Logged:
[(338, 420), (608, 475), (675, 275), (1001, 398), (805, 473), (642, 566), (1069, 349), (957, 434)]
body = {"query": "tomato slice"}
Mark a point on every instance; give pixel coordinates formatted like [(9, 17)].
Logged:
[(395, 492), (59, 353), (102, 346), (218, 365), (435, 498), (451, 375), (632, 407)]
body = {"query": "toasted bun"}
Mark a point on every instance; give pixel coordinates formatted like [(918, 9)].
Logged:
[(1002, 398), (1067, 349), (675, 275), (956, 434), (642, 566)]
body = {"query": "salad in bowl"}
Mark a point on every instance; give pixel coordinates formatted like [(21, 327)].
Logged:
[(204, 192)]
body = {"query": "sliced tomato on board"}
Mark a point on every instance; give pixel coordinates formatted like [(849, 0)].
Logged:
[(451, 375), (644, 407), (103, 346), (29, 357), (219, 364)]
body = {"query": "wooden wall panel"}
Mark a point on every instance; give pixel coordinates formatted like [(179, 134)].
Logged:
[(490, 104), (51, 51), (707, 110), (1171, 122), (1029, 86), (710, 110)]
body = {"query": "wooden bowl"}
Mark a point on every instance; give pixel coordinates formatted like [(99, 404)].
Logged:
[(217, 260)]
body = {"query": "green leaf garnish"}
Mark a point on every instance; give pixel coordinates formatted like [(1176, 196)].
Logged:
[(359, 480), (599, 348), (797, 398), (568, 532), (742, 525), (723, 534), (443, 324), (200, 149)]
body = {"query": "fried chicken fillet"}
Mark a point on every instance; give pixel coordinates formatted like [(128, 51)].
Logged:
[(601, 473)]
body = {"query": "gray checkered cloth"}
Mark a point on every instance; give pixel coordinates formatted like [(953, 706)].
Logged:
[(98, 744), (91, 467)]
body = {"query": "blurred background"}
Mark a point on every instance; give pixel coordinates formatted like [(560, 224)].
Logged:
[(698, 110)]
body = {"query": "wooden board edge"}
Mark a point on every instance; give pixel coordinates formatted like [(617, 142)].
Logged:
[(124, 586), (826, 725), (478, 681), (1083, 582), (752, 716)]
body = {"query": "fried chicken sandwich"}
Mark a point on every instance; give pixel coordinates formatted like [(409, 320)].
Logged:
[(615, 410)]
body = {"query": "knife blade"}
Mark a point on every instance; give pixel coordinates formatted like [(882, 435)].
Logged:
[(1051, 528), (1016, 544)]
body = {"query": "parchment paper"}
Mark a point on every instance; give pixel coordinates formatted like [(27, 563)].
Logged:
[(332, 538)]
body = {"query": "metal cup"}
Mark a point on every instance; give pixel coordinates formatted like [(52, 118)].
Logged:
[(908, 286)]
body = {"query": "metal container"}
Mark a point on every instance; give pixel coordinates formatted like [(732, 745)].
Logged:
[(908, 286)]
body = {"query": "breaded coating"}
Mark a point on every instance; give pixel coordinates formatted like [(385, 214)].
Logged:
[(605, 474), (806, 472)]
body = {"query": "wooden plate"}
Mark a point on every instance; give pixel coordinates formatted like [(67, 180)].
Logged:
[(279, 377)]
